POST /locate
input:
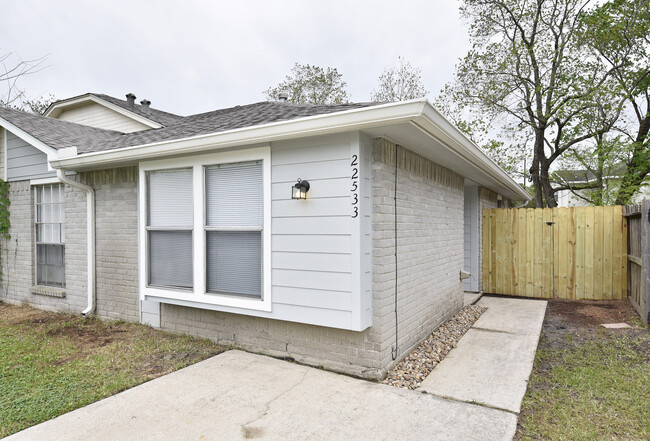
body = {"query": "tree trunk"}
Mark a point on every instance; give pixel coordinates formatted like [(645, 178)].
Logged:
[(547, 188), (535, 168)]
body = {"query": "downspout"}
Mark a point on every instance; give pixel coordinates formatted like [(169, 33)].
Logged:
[(90, 236)]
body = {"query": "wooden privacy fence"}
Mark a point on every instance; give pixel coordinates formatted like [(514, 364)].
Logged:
[(639, 257), (567, 253)]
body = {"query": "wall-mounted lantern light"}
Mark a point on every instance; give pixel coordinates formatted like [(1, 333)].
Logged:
[(300, 189)]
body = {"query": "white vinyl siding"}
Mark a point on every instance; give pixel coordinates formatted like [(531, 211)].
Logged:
[(96, 115), (319, 250), (50, 235)]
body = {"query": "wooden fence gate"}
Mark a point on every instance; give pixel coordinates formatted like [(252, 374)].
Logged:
[(567, 253), (638, 217)]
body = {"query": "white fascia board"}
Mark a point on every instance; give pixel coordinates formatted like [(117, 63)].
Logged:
[(355, 119), (51, 153), (52, 111), (436, 124)]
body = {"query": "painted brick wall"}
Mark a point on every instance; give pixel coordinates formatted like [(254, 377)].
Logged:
[(429, 243), (116, 244)]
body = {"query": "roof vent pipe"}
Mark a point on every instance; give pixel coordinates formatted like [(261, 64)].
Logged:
[(145, 106), (130, 100), (283, 97)]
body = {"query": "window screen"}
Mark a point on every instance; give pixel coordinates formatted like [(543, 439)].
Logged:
[(234, 221), (169, 228), (50, 235)]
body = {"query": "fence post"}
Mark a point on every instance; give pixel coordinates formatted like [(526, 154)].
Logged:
[(645, 256)]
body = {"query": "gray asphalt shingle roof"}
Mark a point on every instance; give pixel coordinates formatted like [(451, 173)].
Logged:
[(61, 134)]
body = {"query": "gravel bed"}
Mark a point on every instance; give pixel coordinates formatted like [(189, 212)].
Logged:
[(414, 368)]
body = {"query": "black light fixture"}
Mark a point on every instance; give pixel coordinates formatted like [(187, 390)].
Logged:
[(300, 189)]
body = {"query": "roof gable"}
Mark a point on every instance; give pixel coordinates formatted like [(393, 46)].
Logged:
[(125, 119)]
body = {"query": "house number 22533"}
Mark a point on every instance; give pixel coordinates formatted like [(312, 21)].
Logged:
[(355, 185)]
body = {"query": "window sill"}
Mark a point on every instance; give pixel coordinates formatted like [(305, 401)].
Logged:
[(48, 291)]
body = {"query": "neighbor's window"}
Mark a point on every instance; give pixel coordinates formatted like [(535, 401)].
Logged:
[(50, 235), (169, 228), (233, 222)]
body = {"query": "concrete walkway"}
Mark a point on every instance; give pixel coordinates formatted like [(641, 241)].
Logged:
[(237, 395), (492, 363)]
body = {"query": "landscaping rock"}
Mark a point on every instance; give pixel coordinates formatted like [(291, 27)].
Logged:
[(414, 368)]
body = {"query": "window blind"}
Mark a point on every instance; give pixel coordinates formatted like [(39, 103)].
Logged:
[(170, 198), (234, 262), (170, 258), (234, 195)]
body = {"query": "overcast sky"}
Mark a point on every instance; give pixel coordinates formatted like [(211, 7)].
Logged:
[(194, 56)]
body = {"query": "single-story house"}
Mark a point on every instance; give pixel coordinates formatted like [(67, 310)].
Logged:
[(334, 235)]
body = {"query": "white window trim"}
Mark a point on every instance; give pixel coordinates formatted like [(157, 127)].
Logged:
[(33, 189), (197, 295)]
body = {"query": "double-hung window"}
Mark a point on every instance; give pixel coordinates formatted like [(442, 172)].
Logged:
[(50, 235), (169, 228), (205, 230)]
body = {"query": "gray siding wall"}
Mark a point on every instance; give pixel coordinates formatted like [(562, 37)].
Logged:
[(116, 246), (25, 161)]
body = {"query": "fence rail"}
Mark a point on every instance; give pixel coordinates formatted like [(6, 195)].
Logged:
[(568, 253)]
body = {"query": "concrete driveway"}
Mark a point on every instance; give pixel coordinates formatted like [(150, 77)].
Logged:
[(237, 395)]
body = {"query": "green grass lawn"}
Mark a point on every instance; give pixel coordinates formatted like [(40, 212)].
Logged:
[(53, 363), (589, 384)]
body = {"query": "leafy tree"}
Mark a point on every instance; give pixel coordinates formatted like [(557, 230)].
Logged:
[(527, 68), (507, 151), (400, 83), (309, 84), (618, 34)]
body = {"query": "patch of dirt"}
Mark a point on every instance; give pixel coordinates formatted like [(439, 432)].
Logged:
[(25, 315), (587, 314), (89, 335), (569, 322)]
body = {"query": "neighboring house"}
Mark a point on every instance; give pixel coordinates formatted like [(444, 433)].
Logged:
[(578, 178), (188, 223)]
